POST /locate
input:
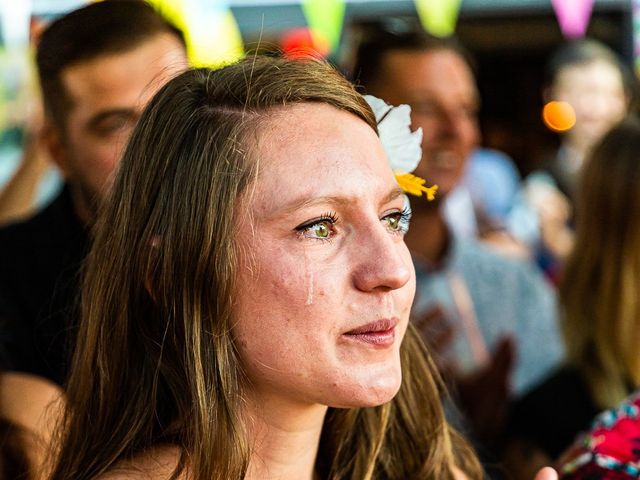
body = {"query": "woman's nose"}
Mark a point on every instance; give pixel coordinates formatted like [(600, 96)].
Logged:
[(382, 262)]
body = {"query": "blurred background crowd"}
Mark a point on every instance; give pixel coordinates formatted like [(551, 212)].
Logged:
[(528, 262)]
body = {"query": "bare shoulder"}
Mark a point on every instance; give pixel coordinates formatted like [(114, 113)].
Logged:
[(34, 405), (156, 464), (30, 402)]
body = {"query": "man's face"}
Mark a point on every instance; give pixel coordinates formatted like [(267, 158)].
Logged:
[(107, 96), (439, 87)]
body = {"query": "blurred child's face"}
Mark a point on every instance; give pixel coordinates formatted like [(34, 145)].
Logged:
[(595, 90)]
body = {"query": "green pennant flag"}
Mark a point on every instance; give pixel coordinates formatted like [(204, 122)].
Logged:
[(325, 19), (438, 17)]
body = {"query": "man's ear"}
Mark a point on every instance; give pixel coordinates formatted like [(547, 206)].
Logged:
[(54, 143)]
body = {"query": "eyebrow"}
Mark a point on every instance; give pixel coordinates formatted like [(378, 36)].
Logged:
[(97, 119), (336, 200)]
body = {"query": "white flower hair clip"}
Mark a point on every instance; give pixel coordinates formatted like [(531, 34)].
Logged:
[(401, 145)]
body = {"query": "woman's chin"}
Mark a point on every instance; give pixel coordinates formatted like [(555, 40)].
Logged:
[(371, 392)]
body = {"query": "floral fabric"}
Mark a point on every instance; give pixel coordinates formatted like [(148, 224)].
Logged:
[(611, 449)]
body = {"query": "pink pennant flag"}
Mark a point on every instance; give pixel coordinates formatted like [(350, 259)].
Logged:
[(573, 16)]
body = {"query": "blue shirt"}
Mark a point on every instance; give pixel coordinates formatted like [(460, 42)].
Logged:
[(501, 296)]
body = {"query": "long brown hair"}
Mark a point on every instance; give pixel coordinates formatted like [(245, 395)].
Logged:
[(155, 361), (599, 292)]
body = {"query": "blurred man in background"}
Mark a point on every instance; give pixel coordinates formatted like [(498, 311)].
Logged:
[(98, 67), (491, 320)]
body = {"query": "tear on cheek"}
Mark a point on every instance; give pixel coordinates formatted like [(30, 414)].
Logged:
[(310, 287)]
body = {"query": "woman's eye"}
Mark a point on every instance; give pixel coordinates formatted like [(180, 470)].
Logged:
[(319, 229), (394, 223), (398, 222)]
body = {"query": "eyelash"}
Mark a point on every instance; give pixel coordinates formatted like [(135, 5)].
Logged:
[(403, 217), (330, 218)]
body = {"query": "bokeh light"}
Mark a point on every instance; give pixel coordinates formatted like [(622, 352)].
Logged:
[(301, 43), (558, 116)]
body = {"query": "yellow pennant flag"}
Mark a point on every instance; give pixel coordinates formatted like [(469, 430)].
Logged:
[(211, 32), (325, 19), (215, 39), (438, 17), (172, 10)]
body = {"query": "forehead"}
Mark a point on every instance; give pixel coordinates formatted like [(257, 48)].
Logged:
[(124, 79), (439, 73), (315, 150), (598, 72)]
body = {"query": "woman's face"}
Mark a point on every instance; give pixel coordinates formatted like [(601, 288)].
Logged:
[(325, 281)]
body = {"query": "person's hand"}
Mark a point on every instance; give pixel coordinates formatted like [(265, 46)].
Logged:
[(506, 244), (554, 211), (438, 334), (18, 196), (547, 473), (485, 394)]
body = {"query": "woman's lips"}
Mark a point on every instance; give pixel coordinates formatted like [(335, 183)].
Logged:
[(381, 333)]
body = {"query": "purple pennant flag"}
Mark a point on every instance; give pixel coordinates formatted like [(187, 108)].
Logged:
[(573, 16)]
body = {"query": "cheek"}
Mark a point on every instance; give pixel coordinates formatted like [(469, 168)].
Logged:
[(283, 318), (96, 158), (472, 133), (429, 125), (406, 294), (99, 170), (281, 291), (277, 284)]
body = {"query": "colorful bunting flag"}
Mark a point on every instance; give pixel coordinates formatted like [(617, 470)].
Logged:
[(573, 16), (635, 9), (301, 43), (14, 20), (325, 18), (212, 34), (438, 17)]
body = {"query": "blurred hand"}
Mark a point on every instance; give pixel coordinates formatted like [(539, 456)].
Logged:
[(547, 473), (438, 334), (504, 243), (485, 394), (554, 211), (434, 324), (548, 201)]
